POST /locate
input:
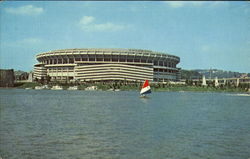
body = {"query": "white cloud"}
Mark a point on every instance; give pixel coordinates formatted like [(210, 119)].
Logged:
[(87, 24), (198, 3), (25, 10), (86, 20), (176, 4), (180, 4), (218, 3), (103, 27)]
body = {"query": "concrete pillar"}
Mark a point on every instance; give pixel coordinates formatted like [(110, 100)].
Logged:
[(204, 83), (30, 78), (67, 72), (237, 82), (216, 84)]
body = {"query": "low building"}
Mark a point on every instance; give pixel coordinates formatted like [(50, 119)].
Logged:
[(7, 78)]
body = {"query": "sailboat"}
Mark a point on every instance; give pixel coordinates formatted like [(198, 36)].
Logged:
[(145, 89)]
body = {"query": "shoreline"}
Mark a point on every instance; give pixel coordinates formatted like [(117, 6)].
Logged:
[(109, 87)]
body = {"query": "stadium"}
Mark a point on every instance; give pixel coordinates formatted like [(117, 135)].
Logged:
[(107, 65)]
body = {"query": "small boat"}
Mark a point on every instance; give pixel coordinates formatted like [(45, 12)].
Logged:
[(73, 88), (38, 87), (145, 89), (57, 87), (91, 88)]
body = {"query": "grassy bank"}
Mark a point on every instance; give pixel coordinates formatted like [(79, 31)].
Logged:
[(198, 89), (27, 85)]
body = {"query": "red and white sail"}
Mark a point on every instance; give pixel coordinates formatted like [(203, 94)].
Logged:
[(145, 88)]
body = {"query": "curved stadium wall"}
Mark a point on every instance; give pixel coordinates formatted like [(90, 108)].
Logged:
[(107, 65)]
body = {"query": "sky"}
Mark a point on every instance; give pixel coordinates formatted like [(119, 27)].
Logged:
[(204, 34)]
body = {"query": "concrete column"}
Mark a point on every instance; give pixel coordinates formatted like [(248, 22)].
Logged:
[(216, 84), (30, 78), (67, 72), (237, 82), (204, 83)]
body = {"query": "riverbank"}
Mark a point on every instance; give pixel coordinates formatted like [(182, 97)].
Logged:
[(198, 89), (135, 87)]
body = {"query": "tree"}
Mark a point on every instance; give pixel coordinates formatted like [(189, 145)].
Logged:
[(47, 79)]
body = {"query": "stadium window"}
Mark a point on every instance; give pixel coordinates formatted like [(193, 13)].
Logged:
[(136, 60), (60, 61), (129, 60), (84, 59), (71, 60), (122, 60), (160, 63)]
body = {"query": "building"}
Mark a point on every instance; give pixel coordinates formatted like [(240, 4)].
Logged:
[(7, 78), (107, 65)]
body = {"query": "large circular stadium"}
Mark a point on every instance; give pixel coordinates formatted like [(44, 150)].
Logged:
[(107, 65)]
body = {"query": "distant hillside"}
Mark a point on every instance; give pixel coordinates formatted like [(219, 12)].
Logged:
[(198, 73), (190, 74), (18, 72), (212, 73)]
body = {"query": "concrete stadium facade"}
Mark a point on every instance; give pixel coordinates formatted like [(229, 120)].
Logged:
[(107, 65)]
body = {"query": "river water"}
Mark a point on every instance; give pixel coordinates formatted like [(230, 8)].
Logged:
[(46, 124)]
